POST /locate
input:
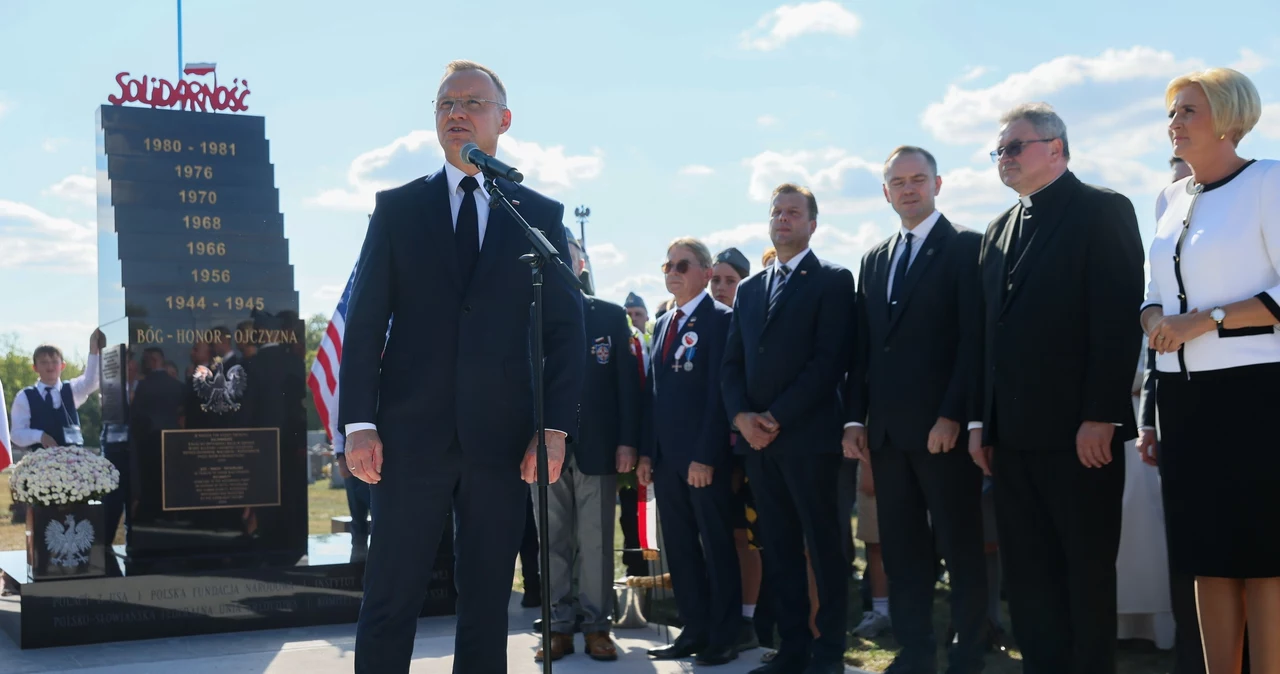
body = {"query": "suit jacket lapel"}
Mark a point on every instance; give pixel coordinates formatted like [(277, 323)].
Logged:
[(930, 249), (795, 283), (439, 224)]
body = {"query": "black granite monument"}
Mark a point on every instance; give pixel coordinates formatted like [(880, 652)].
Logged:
[(194, 270)]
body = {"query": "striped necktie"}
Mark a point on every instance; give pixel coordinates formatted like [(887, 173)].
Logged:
[(779, 280)]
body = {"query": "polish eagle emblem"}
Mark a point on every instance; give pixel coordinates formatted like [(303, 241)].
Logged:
[(219, 391), (68, 544)]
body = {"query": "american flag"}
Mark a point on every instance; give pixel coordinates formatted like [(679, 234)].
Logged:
[(5, 457), (323, 380)]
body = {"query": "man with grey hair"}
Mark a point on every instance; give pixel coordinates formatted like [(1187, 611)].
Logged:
[(1062, 280), (580, 506)]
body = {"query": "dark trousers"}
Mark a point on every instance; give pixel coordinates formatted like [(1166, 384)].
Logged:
[(358, 504), (632, 557), (410, 503), (116, 504), (914, 487), (529, 559), (1059, 535), (846, 498), (697, 529), (796, 499)]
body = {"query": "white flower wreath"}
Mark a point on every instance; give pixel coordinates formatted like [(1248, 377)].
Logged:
[(62, 475)]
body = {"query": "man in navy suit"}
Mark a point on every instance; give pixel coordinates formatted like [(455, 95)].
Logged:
[(687, 457), (789, 347), (438, 414), (910, 402)]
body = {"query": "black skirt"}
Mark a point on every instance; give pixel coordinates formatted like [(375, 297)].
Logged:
[(1220, 470)]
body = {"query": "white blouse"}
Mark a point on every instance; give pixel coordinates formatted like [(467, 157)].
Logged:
[(1229, 252)]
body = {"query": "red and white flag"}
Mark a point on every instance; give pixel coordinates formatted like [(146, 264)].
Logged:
[(5, 456), (323, 380), (647, 514), (199, 68)]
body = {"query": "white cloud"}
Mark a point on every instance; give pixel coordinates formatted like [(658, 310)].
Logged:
[(737, 237), (970, 115), (331, 292), (842, 182), (54, 144), (30, 238), (696, 170), (1269, 125), (605, 255), (781, 25), (650, 287), (78, 189), (547, 169), (973, 73), (766, 120), (847, 247), (1250, 61)]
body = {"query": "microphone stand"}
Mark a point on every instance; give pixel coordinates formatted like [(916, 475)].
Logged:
[(543, 253)]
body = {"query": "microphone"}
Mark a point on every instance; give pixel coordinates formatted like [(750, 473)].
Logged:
[(472, 154)]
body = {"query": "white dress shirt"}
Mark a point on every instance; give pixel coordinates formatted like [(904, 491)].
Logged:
[(919, 234), (792, 264), (687, 308), (454, 175), (22, 434), (1231, 252)]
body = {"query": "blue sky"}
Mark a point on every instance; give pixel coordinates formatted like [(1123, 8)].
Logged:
[(666, 118)]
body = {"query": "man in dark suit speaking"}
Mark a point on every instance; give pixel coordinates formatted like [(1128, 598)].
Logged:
[(789, 346), (439, 412)]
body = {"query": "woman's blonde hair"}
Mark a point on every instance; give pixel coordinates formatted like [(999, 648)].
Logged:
[(1234, 102)]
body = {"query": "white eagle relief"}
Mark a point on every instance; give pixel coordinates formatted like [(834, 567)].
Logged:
[(68, 544), (219, 392)]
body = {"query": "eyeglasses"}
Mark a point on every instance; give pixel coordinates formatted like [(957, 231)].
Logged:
[(444, 106), (681, 267), (1015, 148)]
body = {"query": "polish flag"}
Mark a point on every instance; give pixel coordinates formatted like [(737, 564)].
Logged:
[(199, 68), (647, 514), (5, 457)]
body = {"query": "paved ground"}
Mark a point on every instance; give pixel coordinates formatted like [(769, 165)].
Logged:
[(321, 650)]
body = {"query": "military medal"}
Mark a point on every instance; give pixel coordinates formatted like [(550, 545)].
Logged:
[(688, 366)]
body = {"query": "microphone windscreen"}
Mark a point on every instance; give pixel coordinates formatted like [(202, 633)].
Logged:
[(467, 151)]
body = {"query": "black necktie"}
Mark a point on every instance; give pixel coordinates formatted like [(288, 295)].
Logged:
[(48, 395), (900, 271), (466, 235)]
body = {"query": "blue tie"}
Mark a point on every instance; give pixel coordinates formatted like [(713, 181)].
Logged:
[(900, 273)]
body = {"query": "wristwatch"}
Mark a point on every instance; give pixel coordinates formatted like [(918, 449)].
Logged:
[(1218, 315)]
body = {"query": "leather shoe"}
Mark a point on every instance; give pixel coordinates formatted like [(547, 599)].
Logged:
[(561, 645), (747, 638), (716, 656), (600, 646), (680, 648)]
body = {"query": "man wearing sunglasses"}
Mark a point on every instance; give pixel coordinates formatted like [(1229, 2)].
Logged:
[(1062, 279), (439, 414), (789, 347), (687, 457)]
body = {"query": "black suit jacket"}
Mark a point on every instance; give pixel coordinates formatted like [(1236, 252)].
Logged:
[(1061, 328), (457, 361), (793, 364), (917, 361), (611, 391), (684, 410)]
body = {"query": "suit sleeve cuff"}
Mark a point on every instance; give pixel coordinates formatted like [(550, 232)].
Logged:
[(975, 425), (852, 424), (352, 428), (1148, 428)]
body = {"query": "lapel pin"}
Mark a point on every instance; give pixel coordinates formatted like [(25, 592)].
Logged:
[(929, 252), (803, 272), (515, 203)]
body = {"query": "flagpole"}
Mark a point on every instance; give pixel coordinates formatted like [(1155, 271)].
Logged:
[(179, 40)]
